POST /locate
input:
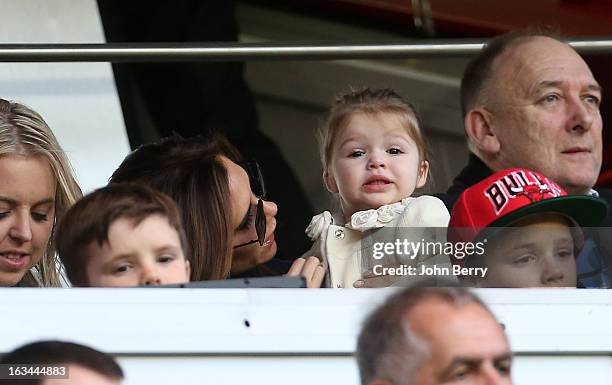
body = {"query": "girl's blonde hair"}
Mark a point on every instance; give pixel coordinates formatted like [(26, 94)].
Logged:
[(371, 102), (24, 132)]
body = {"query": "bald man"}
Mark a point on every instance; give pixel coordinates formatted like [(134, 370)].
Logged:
[(530, 101), (429, 336)]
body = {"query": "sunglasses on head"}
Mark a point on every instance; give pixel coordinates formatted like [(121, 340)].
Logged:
[(257, 186)]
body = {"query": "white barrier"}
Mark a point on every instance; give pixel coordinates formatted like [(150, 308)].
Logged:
[(280, 336)]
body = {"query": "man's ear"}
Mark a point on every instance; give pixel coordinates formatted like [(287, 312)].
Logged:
[(478, 128), (330, 182), (423, 172)]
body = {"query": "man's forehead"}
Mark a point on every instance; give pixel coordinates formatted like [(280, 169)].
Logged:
[(528, 48), (440, 322), (538, 60), (439, 311)]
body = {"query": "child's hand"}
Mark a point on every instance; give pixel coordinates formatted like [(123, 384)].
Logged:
[(310, 268)]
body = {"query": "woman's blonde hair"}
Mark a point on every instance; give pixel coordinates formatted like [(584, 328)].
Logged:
[(24, 132)]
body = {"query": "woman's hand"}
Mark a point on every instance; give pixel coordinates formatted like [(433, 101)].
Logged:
[(310, 268)]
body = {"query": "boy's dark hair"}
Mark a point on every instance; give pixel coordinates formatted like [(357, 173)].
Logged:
[(61, 353), (479, 69), (91, 217)]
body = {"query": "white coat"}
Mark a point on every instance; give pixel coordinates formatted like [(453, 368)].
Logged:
[(340, 245)]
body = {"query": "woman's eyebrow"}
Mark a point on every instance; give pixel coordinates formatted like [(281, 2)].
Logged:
[(45, 201), (8, 200), (13, 202)]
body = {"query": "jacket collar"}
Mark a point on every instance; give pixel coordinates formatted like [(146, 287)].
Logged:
[(472, 173)]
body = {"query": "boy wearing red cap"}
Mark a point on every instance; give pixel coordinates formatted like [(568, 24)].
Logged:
[(530, 226)]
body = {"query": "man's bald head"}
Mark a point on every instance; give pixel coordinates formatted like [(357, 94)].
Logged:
[(402, 342), (531, 101), (479, 73)]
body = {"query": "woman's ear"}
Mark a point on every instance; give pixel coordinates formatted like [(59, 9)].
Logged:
[(423, 172), (479, 130), (188, 270), (330, 182)]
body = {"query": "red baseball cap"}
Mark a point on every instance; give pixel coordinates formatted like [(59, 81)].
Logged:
[(512, 194)]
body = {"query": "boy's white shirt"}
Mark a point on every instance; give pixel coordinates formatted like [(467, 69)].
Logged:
[(339, 246)]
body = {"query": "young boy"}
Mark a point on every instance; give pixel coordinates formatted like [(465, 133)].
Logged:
[(525, 230), (123, 235)]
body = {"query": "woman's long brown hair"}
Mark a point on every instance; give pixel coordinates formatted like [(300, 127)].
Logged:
[(190, 171)]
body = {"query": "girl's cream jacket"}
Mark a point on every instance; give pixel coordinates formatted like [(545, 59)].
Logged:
[(347, 249)]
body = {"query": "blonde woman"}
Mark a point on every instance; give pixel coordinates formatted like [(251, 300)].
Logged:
[(36, 189)]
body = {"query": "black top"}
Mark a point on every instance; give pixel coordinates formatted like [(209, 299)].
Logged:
[(472, 173), (476, 170)]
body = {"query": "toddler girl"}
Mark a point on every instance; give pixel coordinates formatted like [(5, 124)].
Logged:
[(374, 157)]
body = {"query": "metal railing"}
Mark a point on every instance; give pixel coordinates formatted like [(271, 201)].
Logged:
[(190, 52)]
